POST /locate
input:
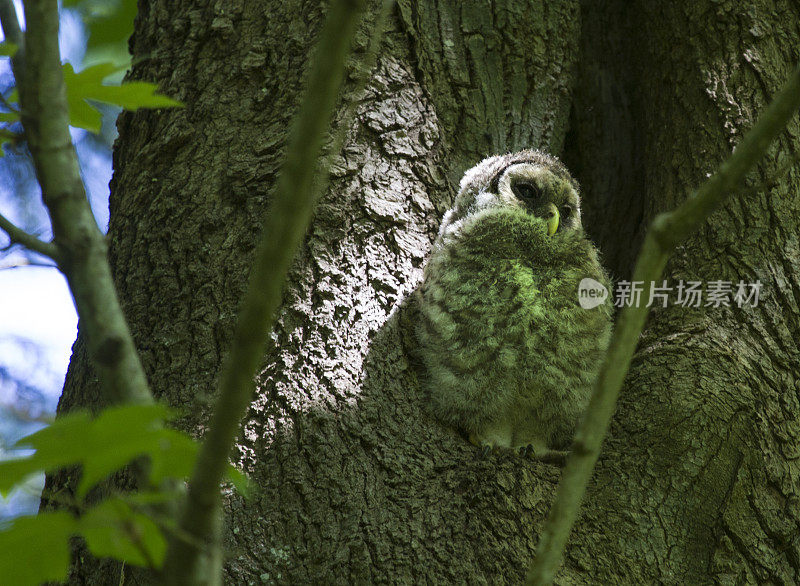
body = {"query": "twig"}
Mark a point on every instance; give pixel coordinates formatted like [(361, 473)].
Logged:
[(20, 236), (665, 233), (6, 104), (283, 230), (11, 30)]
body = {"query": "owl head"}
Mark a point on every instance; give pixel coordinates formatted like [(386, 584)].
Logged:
[(528, 180)]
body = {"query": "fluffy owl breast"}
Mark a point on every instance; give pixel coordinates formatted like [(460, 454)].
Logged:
[(482, 305), (498, 292)]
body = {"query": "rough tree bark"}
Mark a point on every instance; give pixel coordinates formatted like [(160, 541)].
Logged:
[(698, 482), (702, 464)]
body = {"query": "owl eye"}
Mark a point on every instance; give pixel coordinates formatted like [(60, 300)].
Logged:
[(526, 191), (566, 210)]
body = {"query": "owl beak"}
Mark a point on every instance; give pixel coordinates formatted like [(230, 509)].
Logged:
[(552, 218)]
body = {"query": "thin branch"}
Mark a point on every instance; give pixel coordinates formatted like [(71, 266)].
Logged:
[(6, 104), (10, 22), (284, 228), (29, 241), (666, 232), (81, 246)]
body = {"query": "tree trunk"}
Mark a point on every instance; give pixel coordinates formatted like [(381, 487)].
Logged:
[(698, 482)]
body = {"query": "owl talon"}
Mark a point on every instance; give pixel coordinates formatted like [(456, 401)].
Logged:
[(557, 457), (543, 454)]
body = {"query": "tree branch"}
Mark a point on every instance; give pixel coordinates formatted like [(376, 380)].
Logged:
[(284, 228), (665, 233), (81, 246), (29, 241), (11, 30)]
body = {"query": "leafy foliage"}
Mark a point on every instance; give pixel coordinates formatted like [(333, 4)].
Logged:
[(120, 526), (114, 529), (109, 24), (127, 526), (8, 49), (36, 549), (88, 85), (105, 444)]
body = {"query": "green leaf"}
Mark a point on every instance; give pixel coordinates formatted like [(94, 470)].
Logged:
[(36, 549), (116, 437), (6, 136), (102, 445), (114, 529), (9, 117), (174, 458), (113, 26), (57, 446), (15, 472), (151, 497), (88, 85), (239, 480), (133, 95), (8, 49), (106, 444), (109, 24)]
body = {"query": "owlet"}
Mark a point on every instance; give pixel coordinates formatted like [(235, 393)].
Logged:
[(509, 352)]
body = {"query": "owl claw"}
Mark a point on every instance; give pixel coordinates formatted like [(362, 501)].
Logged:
[(485, 446), (557, 457)]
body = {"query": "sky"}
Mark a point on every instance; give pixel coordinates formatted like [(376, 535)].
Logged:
[(38, 323)]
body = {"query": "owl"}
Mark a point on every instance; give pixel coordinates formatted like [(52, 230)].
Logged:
[(509, 354)]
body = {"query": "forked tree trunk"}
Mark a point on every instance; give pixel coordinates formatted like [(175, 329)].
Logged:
[(698, 482)]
